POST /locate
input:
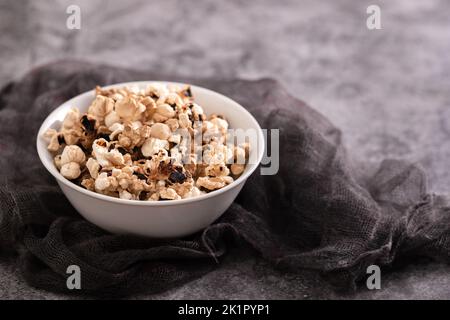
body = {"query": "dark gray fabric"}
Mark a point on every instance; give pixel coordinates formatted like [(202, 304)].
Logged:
[(315, 213)]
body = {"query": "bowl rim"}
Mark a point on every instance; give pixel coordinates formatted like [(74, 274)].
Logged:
[(57, 175)]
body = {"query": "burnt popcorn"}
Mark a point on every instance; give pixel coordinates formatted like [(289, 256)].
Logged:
[(127, 145), (61, 139), (177, 177), (103, 136), (122, 150), (187, 92), (140, 175), (88, 124)]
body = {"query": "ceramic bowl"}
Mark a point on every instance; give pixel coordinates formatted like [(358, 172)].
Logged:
[(157, 219)]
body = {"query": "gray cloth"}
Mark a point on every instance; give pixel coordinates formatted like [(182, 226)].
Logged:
[(316, 213)]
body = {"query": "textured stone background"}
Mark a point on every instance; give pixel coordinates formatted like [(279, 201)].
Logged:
[(387, 89)]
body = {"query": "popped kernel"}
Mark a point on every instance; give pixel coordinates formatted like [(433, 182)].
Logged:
[(102, 182), (101, 107), (105, 157), (237, 169), (152, 146), (213, 183), (173, 124), (169, 194), (160, 131), (70, 170), (53, 137), (88, 183), (111, 119), (93, 167), (217, 170), (57, 161), (134, 134), (71, 127), (72, 153), (163, 112), (184, 121), (129, 109)]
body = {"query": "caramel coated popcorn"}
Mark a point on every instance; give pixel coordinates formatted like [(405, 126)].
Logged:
[(140, 144)]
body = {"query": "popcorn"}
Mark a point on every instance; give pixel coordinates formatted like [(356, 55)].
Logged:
[(71, 120), (105, 157), (57, 161), (157, 90), (191, 164), (160, 131), (211, 133), (124, 194), (216, 153), (152, 146), (93, 167), (134, 134), (89, 184), (103, 182), (101, 107), (70, 162), (150, 107), (71, 127), (184, 121), (195, 108), (137, 144), (220, 124), (169, 194), (163, 112), (172, 99), (213, 183), (111, 119), (194, 192), (129, 109), (185, 93), (217, 170), (72, 153), (53, 137), (237, 169), (175, 138), (116, 129), (70, 170), (240, 155), (173, 124)]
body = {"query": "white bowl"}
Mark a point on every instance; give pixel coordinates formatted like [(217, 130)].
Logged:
[(158, 219)]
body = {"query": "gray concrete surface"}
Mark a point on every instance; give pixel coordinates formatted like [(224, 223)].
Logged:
[(386, 89)]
